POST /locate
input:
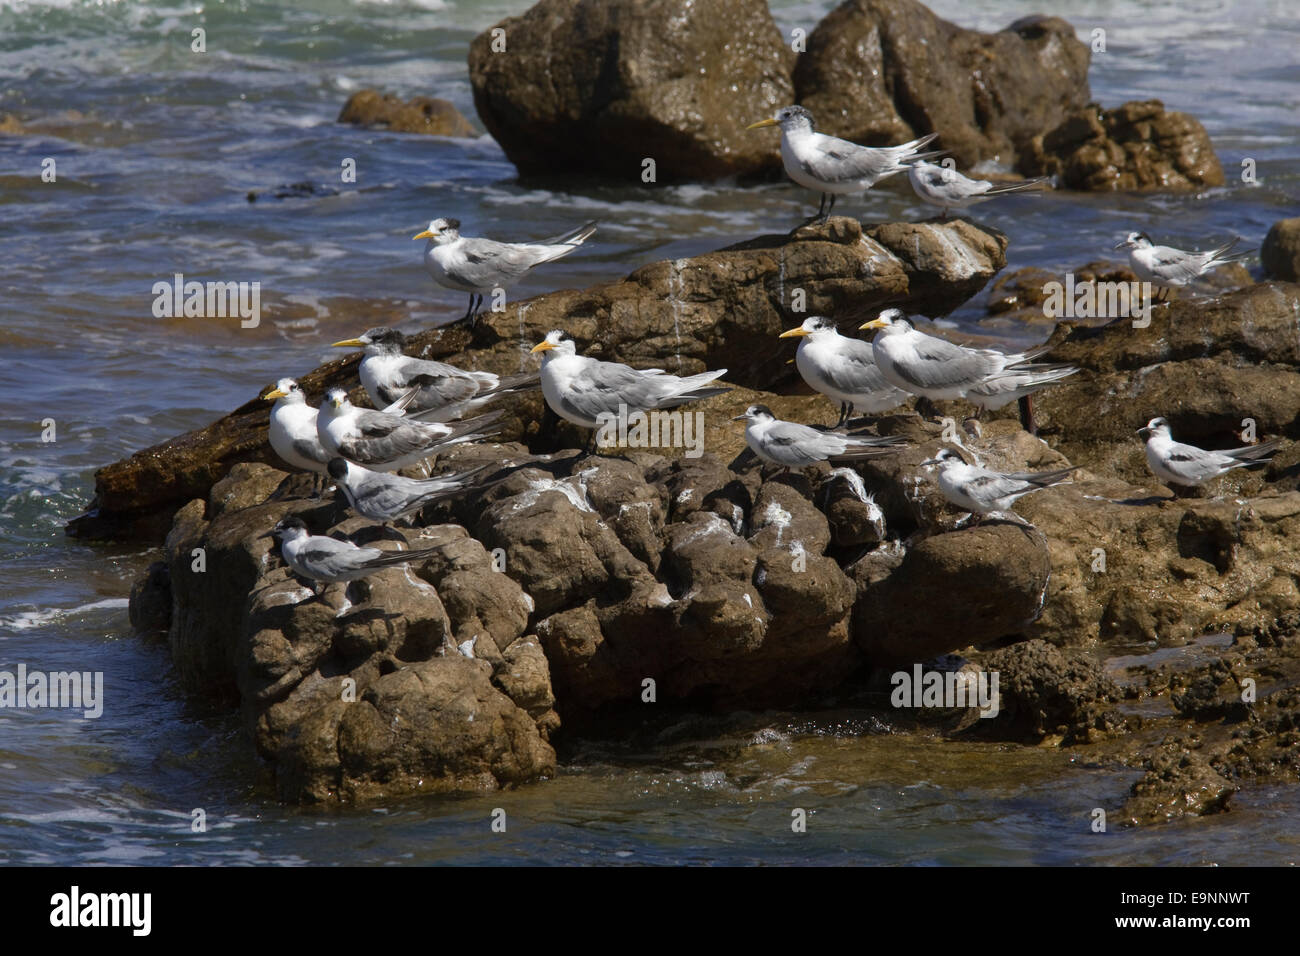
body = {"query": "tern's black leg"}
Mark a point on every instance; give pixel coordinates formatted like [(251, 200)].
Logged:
[(827, 214), (844, 413), (469, 310), (1027, 420)]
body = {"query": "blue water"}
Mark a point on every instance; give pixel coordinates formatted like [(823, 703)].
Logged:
[(156, 148)]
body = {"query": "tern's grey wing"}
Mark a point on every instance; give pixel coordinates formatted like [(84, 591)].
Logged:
[(856, 371), (800, 443), (1188, 461), (384, 497), (484, 263), (439, 384), (384, 439), (839, 161), (952, 186), (990, 486), (941, 364), (310, 449), (603, 386), (325, 558), (1176, 264)]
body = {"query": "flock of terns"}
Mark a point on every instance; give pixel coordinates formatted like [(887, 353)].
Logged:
[(421, 406)]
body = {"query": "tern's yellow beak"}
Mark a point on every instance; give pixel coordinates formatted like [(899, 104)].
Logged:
[(273, 395), (873, 324), (423, 235), (348, 344), (761, 123), (794, 333), (542, 347)]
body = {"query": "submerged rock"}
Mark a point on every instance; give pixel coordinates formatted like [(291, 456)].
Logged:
[(420, 114), (600, 86), (1280, 254), (1135, 146), (880, 72)]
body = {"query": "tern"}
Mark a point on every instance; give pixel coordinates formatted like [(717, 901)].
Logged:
[(581, 389), (478, 266), (982, 491), (293, 429), (949, 189), (443, 392), (933, 367), (384, 497), (1165, 266), (321, 558), (836, 167), (796, 446), (383, 441), (1016, 383), (1176, 463), (842, 368)]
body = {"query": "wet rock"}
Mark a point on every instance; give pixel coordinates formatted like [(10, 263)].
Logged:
[(150, 604), (597, 86), (1022, 295), (1178, 783), (722, 309), (1045, 692), (953, 591), (299, 190), (1137, 146), (420, 114), (884, 71), (1280, 254)]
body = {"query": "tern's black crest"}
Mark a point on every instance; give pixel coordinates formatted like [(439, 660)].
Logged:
[(453, 224), (760, 410), (383, 335), (291, 523), (338, 469), (795, 112)]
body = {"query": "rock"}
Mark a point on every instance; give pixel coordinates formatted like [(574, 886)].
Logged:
[(951, 591), (598, 86), (722, 309), (420, 114), (881, 72), (1021, 296), (1137, 146), (1280, 253), (150, 604), (1179, 783), (10, 126), (1046, 692)]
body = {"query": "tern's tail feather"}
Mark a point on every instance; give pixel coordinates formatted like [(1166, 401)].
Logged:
[(472, 429), (916, 144), (1044, 479), (559, 246), (1002, 188), (1221, 254), (390, 558), (523, 382), (1254, 454)]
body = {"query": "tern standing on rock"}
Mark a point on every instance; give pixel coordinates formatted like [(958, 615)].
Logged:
[(443, 392), (321, 558), (797, 446), (292, 429), (581, 389), (835, 167), (842, 368), (1186, 465), (949, 189), (385, 442), (982, 491), (1166, 267), (478, 266), (384, 497), (933, 367)]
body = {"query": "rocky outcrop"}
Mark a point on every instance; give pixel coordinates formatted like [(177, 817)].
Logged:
[(1280, 253), (1137, 146), (599, 86), (420, 114), (884, 71), (722, 309)]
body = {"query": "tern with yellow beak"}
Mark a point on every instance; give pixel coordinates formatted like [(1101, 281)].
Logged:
[(835, 167), (479, 266), (581, 389), (842, 368)]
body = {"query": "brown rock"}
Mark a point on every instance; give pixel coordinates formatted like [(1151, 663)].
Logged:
[(1280, 253), (597, 86), (420, 114)]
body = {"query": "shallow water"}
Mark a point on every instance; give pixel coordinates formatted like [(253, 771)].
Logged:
[(156, 149)]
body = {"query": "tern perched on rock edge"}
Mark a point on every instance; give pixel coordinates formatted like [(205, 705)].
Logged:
[(581, 389), (386, 442), (478, 266), (835, 167), (792, 445), (320, 558), (982, 491), (842, 368), (1178, 464), (949, 189), (292, 430), (933, 367), (385, 497), (1166, 267), (443, 392)]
